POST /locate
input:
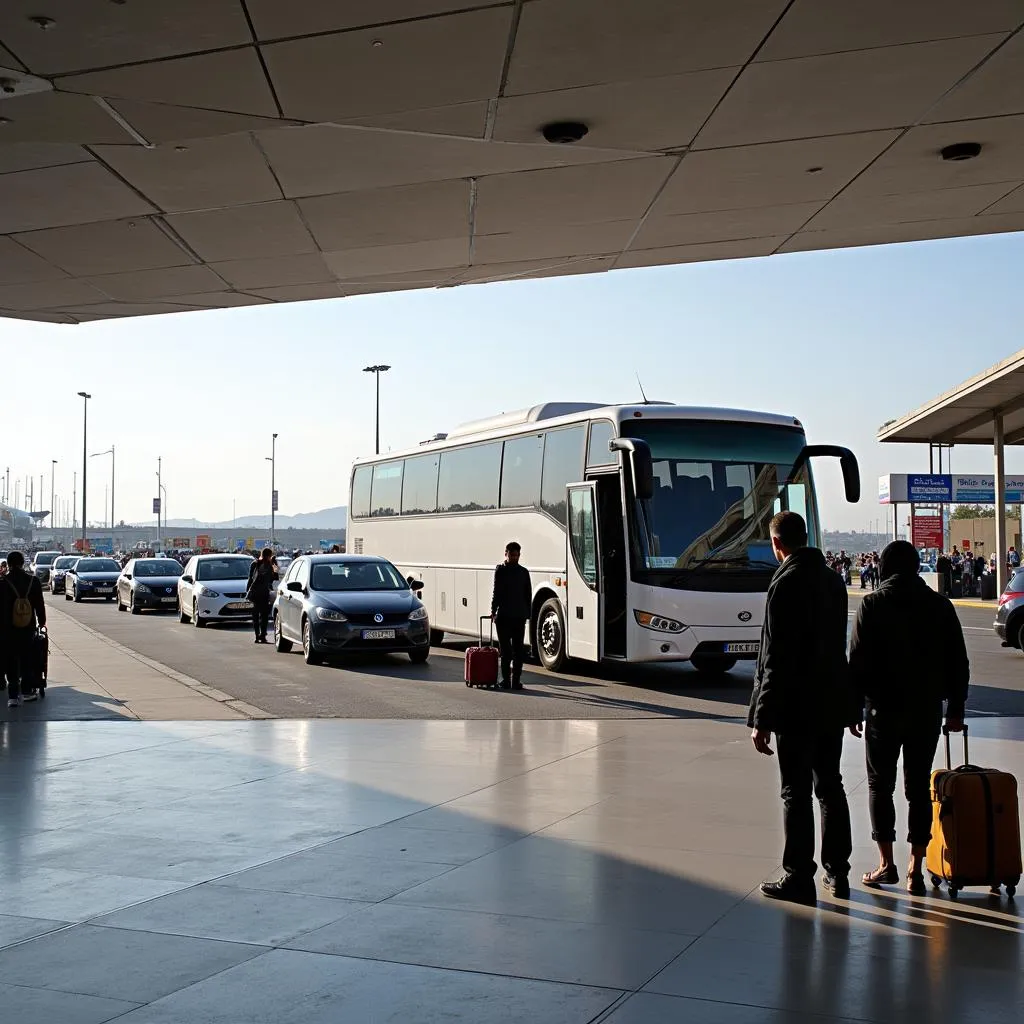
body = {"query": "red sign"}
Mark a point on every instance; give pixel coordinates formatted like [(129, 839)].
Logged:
[(965, 544), (204, 541), (927, 531)]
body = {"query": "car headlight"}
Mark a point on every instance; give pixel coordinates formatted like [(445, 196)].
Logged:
[(207, 592), (418, 614), (141, 588), (658, 622), (331, 615), (84, 583)]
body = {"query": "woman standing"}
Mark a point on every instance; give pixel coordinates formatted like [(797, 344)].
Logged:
[(262, 574)]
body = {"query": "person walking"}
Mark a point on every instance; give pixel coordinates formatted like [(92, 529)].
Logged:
[(511, 602), (22, 612), (907, 656), (262, 574), (802, 694)]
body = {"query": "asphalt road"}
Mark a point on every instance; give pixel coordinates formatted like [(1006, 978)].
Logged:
[(225, 657)]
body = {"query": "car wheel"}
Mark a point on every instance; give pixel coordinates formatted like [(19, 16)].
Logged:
[(281, 645), (182, 614), (196, 621), (76, 597), (436, 637), (109, 599), (550, 633), (67, 595), (120, 604), (132, 606), (308, 650), (420, 656), (713, 664), (1020, 636)]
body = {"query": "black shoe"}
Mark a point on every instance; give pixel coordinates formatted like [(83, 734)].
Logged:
[(915, 885), (792, 890), (257, 641), (504, 685), (517, 686), (838, 885)]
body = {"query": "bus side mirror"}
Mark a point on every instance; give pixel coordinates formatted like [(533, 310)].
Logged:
[(641, 461), (847, 462)]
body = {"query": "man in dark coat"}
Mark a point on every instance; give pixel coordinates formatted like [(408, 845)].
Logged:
[(907, 656), (17, 638), (262, 574), (510, 609), (802, 694)]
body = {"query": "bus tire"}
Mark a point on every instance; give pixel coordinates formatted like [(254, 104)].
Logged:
[(550, 633), (713, 664)]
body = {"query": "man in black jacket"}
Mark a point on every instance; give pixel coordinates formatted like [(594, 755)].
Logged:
[(510, 610), (802, 694), (907, 656), (17, 638)]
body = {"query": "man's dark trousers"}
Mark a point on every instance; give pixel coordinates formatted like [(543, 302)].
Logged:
[(260, 617), (17, 658), (809, 763), (510, 642)]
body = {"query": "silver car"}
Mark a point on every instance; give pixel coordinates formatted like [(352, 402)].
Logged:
[(41, 563)]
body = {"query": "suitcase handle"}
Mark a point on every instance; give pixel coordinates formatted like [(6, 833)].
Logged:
[(490, 631), (949, 760)]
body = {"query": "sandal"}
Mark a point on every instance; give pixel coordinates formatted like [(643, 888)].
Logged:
[(915, 884), (881, 876)]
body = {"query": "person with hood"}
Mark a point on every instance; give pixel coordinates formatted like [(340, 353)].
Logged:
[(802, 694), (907, 656), (262, 574)]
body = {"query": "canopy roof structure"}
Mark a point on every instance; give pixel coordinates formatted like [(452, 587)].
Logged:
[(158, 157), (968, 413)]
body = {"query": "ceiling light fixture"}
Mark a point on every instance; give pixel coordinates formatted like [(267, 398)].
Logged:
[(960, 151), (376, 42), (563, 133), (42, 21), (815, 170)]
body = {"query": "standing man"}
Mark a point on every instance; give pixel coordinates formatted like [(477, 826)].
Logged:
[(802, 694), (262, 574), (510, 610), (21, 610)]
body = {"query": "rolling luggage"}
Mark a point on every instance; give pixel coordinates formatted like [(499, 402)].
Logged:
[(975, 827), (482, 661)]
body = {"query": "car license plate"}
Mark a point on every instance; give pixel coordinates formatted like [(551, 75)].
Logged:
[(239, 606), (378, 634), (748, 647), (104, 590), (169, 600)]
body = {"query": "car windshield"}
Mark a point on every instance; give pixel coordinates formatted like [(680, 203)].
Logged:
[(97, 565), (66, 562), (224, 569), (47, 557), (158, 567), (356, 576)]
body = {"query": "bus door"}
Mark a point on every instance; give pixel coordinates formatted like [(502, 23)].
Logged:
[(583, 577)]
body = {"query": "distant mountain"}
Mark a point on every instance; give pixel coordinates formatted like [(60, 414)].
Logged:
[(326, 519)]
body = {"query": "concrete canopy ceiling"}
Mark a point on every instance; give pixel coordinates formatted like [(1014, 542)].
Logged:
[(163, 157)]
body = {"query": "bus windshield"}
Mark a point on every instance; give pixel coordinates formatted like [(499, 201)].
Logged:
[(717, 485)]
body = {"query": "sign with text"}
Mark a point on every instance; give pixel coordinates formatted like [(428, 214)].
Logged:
[(273, 501), (156, 506), (929, 488), (203, 540), (981, 490), (927, 531)]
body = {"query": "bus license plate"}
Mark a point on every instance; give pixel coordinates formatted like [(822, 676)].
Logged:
[(748, 647), (378, 634)]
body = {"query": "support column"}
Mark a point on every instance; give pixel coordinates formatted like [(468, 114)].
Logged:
[(1000, 496)]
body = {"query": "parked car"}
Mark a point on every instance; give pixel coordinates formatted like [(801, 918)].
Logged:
[(91, 577), (212, 589), (41, 564), (1009, 624), (336, 604), (59, 571), (148, 583)]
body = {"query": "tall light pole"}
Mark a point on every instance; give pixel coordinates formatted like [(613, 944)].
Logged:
[(85, 461), (159, 487), (377, 371), (273, 489), (96, 455), (53, 499)]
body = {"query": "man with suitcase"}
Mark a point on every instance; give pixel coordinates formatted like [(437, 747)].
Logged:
[(802, 694), (510, 609), (22, 611)]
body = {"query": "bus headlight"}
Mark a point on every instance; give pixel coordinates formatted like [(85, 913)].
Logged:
[(658, 622)]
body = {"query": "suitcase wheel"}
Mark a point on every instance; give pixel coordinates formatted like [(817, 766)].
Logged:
[(469, 684), (954, 891), (42, 693), (936, 882), (1011, 891)]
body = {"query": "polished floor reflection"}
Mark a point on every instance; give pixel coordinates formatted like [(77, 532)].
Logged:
[(295, 872)]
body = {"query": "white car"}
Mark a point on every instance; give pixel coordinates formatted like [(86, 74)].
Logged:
[(212, 589)]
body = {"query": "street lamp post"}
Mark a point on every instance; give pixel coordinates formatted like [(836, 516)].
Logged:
[(85, 461), (96, 455), (273, 490), (377, 371), (53, 499)]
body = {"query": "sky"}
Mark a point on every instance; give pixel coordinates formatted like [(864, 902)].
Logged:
[(844, 340)]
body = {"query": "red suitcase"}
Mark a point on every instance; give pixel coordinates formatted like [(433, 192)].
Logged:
[(482, 661)]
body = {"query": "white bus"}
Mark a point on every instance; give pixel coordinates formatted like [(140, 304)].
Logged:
[(644, 527)]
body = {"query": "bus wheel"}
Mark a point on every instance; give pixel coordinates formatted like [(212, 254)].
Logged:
[(550, 634), (713, 664)]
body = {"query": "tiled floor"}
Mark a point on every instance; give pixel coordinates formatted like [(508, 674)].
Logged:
[(296, 872)]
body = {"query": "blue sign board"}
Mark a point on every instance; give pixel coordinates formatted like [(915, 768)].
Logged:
[(102, 544), (326, 545), (929, 488)]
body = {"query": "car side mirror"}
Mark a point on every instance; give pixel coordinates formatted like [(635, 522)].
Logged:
[(295, 586), (641, 462), (187, 579), (127, 575)]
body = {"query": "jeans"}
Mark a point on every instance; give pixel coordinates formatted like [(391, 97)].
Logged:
[(809, 762), (260, 617), (886, 734), (510, 643)]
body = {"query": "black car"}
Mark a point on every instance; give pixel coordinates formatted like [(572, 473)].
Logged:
[(91, 577), (149, 583), (340, 604), (59, 572), (1009, 624)]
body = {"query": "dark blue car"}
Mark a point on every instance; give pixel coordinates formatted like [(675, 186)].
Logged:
[(92, 577)]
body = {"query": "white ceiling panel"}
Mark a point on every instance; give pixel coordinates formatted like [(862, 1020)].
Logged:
[(723, 225), (56, 117), (997, 87), (23, 156), (468, 120), (554, 241), (222, 300), (19, 265), (273, 229), (47, 295), (163, 122), (388, 216), (9, 61), (49, 197), (772, 174), (106, 247), (157, 284), (99, 33), (264, 272), (733, 250), (888, 87), (565, 43), (1013, 203), (398, 259), (197, 174), (518, 270), (103, 310), (651, 113), (230, 80), (373, 71), (569, 195), (823, 26), (302, 292)]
